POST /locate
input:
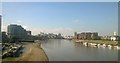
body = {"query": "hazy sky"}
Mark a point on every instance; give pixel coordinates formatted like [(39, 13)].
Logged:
[(0, 8), (65, 18), (60, 0)]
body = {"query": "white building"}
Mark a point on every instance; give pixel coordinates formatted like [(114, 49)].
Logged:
[(115, 36), (115, 33)]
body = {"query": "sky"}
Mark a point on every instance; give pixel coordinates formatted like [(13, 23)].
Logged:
[(62, 17), (0, 8), (59, 0)]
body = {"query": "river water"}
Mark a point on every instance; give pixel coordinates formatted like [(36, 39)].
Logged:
[(68, 50)]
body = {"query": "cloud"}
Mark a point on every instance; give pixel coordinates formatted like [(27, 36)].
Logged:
[(76, 21), (25, 27), (19, 21), (63, 31)]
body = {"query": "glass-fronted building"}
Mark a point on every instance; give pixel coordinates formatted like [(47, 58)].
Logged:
[(17, 31)]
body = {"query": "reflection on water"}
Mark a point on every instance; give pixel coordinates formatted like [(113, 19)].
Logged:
[(66, 50)]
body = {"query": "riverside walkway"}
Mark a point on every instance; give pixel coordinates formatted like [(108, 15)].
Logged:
[(34, 53)]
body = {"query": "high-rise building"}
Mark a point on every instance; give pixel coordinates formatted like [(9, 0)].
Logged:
[(17, 31), (75, 35)]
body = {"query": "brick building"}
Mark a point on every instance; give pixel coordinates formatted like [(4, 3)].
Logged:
[(87, 35)]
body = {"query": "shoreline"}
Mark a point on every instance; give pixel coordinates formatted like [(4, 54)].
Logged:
[(45, 54), (34, 52), (99, 43)]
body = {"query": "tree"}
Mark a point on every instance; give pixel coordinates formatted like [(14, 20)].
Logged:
[(13, 39)]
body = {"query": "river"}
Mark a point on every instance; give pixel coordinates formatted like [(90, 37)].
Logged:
[(68, 50)]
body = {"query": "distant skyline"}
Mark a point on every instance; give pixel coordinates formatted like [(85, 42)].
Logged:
[(60, 17)]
